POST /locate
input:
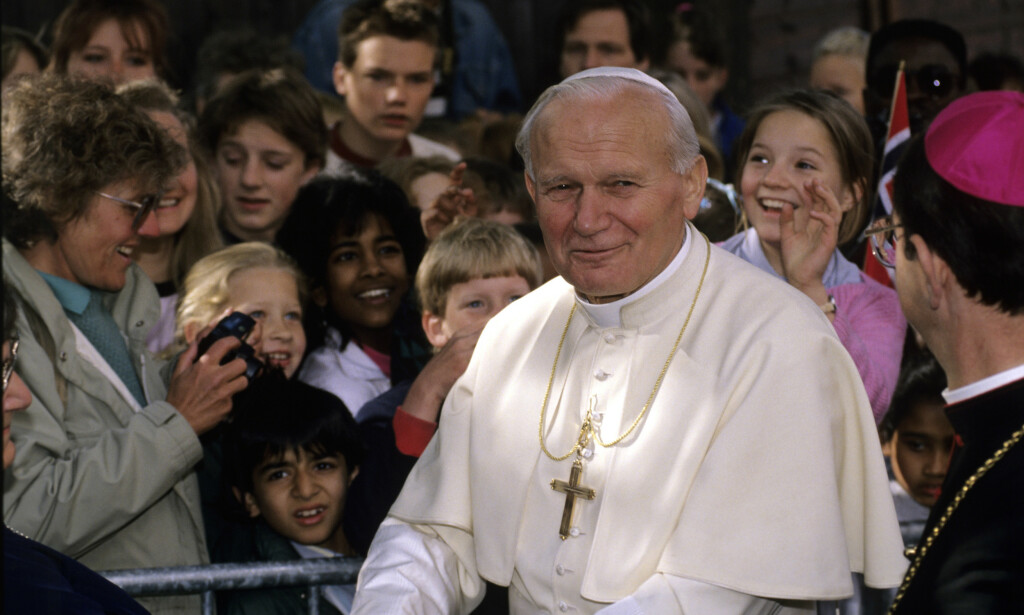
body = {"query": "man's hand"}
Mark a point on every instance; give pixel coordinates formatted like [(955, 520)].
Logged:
[(431, 387), (453, 202), (202, 390)]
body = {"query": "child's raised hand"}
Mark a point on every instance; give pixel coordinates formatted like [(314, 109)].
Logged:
[(809, 238), (438, 376), (455, 201)]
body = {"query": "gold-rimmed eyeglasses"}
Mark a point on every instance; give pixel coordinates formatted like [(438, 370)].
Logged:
[(882, 235), (142, 208), (8, 364)]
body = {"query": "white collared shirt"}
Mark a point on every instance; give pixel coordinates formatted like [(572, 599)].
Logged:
[(955, 396)]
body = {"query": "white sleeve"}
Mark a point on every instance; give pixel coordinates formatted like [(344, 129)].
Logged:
[(667, 594), (409, 571)]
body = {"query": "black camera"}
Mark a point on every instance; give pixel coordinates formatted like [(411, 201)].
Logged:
[(235, 324)]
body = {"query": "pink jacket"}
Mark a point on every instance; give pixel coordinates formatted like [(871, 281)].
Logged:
[(872, 327)]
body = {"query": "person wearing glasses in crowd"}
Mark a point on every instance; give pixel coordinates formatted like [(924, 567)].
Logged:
[(106, 449), (954, 242), (935, 57)]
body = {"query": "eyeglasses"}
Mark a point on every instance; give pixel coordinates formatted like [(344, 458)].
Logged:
[(934, 80), (882, 235), (8, 364), (143, 209)]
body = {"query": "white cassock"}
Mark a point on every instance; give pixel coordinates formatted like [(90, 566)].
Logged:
[(755, 478)]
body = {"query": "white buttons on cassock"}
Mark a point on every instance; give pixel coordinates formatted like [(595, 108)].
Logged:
[(609, 337), (601, 375), (563, 607), (560, 570), (574, 532)]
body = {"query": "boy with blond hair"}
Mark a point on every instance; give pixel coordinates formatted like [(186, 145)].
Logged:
[(471, 271)]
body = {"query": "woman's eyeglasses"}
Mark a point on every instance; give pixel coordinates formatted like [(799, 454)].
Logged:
[(882, 235), (142, 209)]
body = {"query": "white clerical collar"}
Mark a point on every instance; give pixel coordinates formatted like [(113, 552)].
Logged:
[(610, 314), (955, 396)]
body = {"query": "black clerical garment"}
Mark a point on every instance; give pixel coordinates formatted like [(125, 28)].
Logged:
[(976, 562)]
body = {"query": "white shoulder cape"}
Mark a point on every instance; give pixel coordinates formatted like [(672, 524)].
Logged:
[(757, 467)]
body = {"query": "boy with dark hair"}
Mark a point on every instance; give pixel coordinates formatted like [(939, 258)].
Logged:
[(386, 58), (289, 456)]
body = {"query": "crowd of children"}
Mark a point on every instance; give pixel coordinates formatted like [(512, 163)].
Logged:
[(371, 257)]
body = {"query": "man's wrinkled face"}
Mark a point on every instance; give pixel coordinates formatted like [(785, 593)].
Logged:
[(612, 209)]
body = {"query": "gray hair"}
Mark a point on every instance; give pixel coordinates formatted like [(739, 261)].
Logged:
[(603, 84)]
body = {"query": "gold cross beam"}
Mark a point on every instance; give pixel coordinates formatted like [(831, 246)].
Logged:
[(572, 490)]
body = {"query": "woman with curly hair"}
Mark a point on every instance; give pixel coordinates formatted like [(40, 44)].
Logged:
[(107, 448), (187, 214)]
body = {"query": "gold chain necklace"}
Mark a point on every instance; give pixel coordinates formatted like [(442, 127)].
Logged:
[(587, 430), (920, 551)]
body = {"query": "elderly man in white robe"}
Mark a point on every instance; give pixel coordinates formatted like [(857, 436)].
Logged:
[(664, 429)]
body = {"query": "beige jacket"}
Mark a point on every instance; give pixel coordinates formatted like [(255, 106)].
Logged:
[(95, 476)]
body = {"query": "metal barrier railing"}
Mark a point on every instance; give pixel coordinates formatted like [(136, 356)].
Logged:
[(205, 580)]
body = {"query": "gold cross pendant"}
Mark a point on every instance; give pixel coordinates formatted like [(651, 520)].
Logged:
[(572, 490)]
